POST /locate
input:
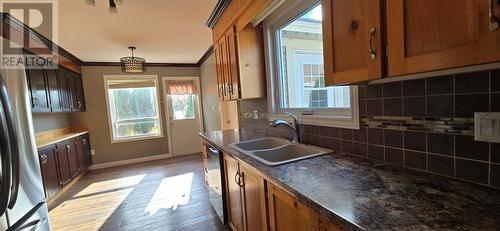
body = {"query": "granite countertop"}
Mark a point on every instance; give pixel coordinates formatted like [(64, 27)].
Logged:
[(47, 138), (358, 194)]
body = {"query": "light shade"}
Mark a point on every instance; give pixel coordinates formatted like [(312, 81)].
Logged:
[(132, 64)]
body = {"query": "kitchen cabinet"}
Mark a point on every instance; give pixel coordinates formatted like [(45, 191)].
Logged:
[(233, 195), (352, 40), (240, 64), (37, 83), (286, 213), (48, 166), (431, 35), (83, 152), (55, 90), (62, 162), (245, 196)]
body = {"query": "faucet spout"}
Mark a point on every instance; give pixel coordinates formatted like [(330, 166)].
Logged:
[(294, 126)]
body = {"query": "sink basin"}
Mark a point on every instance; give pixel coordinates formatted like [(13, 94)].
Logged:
[(260, 144), (276, 151)]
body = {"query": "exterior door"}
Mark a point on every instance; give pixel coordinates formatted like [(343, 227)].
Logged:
[(184, 118), (430, 35), (352, 40)]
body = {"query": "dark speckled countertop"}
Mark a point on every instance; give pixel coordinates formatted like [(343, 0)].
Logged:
[(358, 194)]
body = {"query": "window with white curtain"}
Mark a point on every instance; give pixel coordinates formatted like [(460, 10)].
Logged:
[(133, 109), (294, 43)]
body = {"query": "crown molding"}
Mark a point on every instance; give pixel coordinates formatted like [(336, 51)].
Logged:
[(205, 56)]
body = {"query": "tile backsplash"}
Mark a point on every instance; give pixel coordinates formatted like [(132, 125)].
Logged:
[(423, 124)]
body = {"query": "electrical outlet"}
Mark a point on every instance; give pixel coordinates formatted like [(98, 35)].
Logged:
[(487, 126), (92, 152)]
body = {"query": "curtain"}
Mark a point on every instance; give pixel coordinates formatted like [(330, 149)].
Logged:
[(181, 87)]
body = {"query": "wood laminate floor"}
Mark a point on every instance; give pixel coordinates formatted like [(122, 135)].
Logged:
[(161, 195)]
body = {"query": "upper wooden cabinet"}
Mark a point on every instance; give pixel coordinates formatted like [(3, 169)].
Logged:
[(240, 64), (352, 40), (430, 35)]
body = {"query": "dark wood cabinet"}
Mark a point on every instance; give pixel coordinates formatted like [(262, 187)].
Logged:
[(50, 173), (38, 89), (63, 164), (55, 90), (83, 151)]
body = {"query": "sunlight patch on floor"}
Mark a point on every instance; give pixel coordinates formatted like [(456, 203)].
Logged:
[(172, 192), (67, 216), (108, 185)]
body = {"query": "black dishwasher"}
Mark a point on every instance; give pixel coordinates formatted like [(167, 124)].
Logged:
[(215, 178)]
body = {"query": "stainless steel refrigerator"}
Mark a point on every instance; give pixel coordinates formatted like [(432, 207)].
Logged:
[(22, 197)]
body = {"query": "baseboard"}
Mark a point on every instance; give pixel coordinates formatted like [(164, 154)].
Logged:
[(129, 161)]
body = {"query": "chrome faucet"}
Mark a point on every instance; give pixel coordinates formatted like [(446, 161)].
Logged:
[(294, 126)]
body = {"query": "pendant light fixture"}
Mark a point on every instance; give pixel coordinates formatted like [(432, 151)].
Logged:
[(132, 64)]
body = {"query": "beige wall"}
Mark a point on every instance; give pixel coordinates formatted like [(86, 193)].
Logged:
[(211, 106), (51, 121), (96, 117)]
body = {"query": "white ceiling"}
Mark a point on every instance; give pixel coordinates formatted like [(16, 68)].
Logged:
[(164, 31)]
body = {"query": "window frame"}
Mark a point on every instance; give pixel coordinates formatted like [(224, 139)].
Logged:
[(111, 125), (330, 117)]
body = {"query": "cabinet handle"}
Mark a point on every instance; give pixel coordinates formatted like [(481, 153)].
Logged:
[(79, 104), (229, 88), (68, 148), (44, 159), (371, 50), (493, 19), (84, 141), (221, 91), (241, 182), (61, 103), (237, 178), (36, 101)]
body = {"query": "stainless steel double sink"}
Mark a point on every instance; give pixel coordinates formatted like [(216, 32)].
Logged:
[(275, 151)]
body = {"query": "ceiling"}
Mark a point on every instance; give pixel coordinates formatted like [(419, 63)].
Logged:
[(164, 31)]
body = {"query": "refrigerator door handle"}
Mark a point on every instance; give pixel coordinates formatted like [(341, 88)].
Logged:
[(5, 152), (14, 143)]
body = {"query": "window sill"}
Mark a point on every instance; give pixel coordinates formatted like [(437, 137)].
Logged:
[(136, 138)]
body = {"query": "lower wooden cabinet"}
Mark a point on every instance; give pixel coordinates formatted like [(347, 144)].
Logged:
[(256, 204), (245, 197), (62, 162), (48, 162), (286, 213)]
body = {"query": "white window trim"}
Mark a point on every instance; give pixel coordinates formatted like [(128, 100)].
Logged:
[(110, 123), (287, 12)]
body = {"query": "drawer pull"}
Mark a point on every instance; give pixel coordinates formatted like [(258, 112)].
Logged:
[(371, 50)]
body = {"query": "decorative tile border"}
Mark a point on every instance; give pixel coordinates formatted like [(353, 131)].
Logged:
[(463, 126)]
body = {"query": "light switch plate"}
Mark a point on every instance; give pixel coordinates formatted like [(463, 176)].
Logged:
[(255, 114), (487, 126), (92, 152)]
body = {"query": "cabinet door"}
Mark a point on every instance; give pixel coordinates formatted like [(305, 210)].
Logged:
[(64, 89), (71, 150), (63, 164), (352, 41), (325, 225), (54, 90), (233, 195), (50, 173), (287, 214), (83, 152), (80, 97), (254, 203), (219, 67), (38, 89), (430, 35), (232, 81), (72, 92), (252, 77), (87, 150)]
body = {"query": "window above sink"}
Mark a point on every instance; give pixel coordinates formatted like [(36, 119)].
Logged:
[(296, 79)]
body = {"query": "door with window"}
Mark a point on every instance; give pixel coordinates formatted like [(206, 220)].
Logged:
[(182, 106)]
